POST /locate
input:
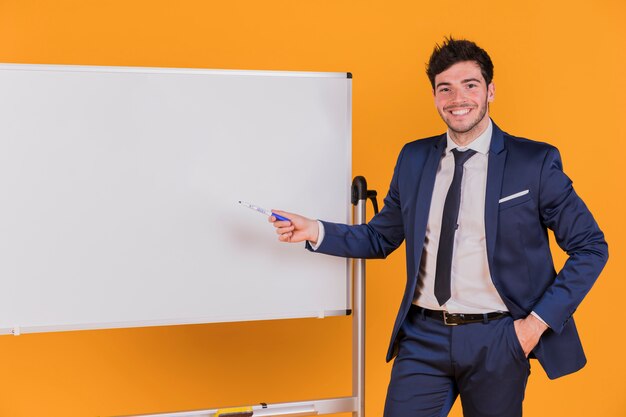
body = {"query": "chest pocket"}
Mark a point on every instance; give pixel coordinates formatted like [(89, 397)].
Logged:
[(515, 200)]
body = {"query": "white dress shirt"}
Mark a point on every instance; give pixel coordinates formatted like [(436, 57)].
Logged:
[(471, 286)]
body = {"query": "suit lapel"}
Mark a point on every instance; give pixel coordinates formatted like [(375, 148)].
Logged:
[(495, 173), (425, 193)]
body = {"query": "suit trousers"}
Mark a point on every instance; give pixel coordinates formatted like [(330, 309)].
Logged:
[(482, 362)]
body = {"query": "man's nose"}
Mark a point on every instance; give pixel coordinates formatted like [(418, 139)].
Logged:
[(458, 95)]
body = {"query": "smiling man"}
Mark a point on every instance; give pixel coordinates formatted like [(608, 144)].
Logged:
[(482, 295), (462, 97)]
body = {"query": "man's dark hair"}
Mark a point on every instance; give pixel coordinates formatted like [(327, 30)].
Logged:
[(453, 51)]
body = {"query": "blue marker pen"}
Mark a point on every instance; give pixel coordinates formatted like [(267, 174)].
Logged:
[(264, 211)]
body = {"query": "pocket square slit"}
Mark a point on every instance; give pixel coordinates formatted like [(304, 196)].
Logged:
[(512, 196)]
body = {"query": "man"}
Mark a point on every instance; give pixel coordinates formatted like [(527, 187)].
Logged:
[(482, 295)]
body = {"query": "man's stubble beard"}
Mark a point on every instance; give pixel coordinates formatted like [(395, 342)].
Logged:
[(473, 125)]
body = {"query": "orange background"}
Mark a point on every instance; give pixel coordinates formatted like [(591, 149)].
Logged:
[(559, 75)]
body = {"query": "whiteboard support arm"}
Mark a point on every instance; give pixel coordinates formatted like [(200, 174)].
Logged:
[(293, 409)]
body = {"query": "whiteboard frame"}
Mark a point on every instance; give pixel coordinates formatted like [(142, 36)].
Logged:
[(17, 329)]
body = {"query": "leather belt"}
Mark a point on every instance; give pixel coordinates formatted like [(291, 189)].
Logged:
[(454, 319)]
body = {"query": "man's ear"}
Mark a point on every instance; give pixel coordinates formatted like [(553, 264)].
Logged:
[(491, 92)]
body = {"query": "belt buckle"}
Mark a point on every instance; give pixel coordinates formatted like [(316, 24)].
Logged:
[(445, 319)]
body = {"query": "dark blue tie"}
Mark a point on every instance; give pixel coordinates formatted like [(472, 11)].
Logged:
[(448, 228)]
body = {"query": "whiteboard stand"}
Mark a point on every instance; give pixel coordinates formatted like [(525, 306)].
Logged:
[(354, 404), (359, 200)]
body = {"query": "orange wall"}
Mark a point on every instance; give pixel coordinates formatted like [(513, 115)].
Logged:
[(559, 74)]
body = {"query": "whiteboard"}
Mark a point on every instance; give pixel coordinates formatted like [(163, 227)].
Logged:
[(119, 192)]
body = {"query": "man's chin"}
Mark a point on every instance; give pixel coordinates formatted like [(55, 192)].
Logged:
[(461, 129), (464, 127)]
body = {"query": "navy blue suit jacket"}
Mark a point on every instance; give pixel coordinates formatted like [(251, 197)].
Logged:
[(518, 251)]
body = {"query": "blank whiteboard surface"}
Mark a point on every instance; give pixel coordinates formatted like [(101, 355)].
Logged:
[(119, 192)]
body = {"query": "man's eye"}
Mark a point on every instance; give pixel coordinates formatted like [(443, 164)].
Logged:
[(444, 90), (471, 85)]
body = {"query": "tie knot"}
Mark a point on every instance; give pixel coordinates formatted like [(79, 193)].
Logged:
[(460, 157)]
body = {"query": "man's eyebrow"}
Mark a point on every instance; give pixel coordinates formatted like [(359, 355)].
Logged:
[(465, 81), (470, 80)]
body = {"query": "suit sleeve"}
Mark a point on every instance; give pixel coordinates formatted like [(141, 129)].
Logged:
[(578, 234), (376, 239)]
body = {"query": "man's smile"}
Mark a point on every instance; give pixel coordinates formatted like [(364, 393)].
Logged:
[(460, 112)]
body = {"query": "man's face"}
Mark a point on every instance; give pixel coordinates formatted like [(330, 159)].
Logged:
[(462, 97)]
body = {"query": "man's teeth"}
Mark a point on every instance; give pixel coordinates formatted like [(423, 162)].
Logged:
[(460, 112)]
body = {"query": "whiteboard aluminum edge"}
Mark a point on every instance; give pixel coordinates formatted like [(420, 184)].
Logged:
[(168, 70), (18, 330), (349, 217)]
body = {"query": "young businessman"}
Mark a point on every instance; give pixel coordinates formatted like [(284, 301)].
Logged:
[(482, 295)]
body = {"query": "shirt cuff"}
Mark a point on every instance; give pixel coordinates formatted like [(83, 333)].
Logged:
[(320, 236), (539, 318)]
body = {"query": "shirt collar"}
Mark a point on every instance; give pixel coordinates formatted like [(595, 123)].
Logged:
[(480, 144)]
